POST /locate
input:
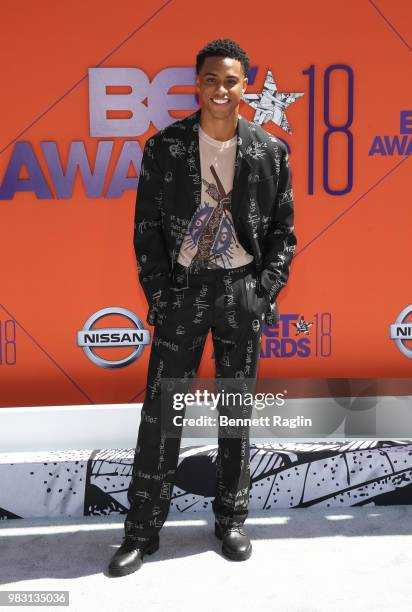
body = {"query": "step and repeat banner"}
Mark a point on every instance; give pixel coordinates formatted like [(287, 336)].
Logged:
[(84, 87)]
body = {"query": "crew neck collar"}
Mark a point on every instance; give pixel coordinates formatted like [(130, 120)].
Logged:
[(217, 143)]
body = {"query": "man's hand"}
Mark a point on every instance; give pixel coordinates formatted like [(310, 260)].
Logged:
[(272, 315)]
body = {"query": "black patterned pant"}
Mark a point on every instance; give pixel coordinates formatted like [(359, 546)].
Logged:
[(228, 302)]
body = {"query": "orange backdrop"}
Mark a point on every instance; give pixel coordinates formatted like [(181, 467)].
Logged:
[(65, 258)]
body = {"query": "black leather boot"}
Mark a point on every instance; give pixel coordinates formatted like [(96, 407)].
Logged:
[(129, 557), (236, 544)]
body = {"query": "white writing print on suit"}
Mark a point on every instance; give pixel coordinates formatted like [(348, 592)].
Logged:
[(225, 301), (182, 197), (170, 192)]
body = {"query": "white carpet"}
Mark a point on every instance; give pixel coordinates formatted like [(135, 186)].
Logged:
[(304, 560)]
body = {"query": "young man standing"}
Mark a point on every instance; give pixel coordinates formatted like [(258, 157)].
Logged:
[(214, 239)]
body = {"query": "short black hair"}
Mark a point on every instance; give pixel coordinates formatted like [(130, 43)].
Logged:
[(223, 47)]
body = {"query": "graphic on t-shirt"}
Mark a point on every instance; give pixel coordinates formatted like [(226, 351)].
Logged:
[(211, 229)]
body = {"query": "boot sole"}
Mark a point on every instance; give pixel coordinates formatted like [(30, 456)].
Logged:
[(230, 554), (124, 571)]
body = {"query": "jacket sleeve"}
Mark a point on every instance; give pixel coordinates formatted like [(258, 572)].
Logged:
[(149, 244), (280, 242)]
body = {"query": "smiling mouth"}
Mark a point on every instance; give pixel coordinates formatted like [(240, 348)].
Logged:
[(220, 101)]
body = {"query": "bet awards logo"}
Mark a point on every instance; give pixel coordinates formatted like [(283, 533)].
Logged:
[(398, 144), (90, 337), (298, 336), (401, 331)]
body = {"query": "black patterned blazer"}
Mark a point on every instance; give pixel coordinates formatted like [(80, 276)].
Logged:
[(169, 191)]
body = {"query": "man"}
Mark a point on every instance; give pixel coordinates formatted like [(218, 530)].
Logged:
[(214, 239)]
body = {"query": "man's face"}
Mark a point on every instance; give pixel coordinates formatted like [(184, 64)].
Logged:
[(221, 82)]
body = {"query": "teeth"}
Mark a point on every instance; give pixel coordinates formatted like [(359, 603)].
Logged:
[(219, 101)]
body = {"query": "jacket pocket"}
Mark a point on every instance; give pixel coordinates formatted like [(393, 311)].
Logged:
[(266, 190)]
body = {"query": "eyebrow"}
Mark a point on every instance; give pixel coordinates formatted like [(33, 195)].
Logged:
[(233, 76)]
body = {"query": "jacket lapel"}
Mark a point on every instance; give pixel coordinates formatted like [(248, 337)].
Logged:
[(242, 171)]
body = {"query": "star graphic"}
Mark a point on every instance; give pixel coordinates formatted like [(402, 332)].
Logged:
[(270, 104), (302, 326)]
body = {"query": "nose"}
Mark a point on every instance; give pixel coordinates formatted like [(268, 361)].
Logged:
[(221, 90)]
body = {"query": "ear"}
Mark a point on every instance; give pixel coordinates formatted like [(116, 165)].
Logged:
[(245, 83)]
